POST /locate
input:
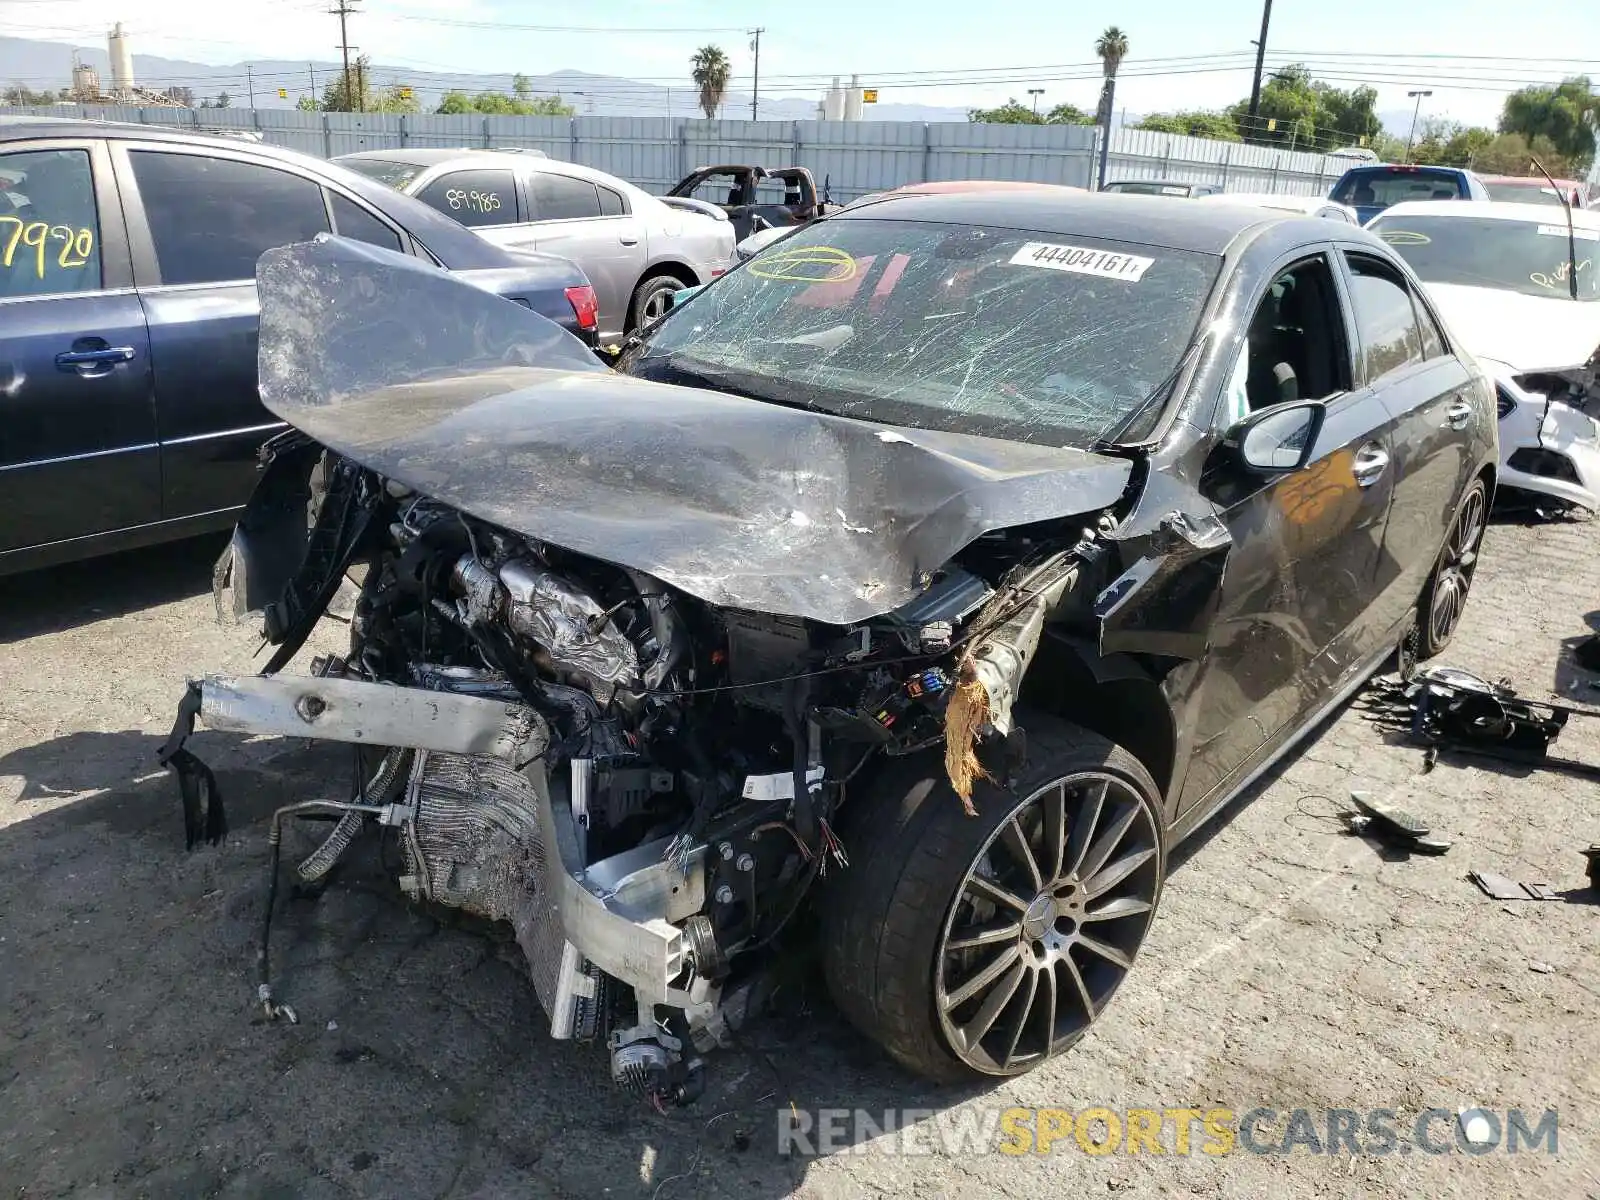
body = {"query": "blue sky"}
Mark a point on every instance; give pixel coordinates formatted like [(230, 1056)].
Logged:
[(971, 54)]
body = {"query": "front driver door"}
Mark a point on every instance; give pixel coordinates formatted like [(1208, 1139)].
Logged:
[(1306, 543)]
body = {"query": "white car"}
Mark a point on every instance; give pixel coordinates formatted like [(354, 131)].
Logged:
[(1311, 206), (1523, 297), (635, 250)]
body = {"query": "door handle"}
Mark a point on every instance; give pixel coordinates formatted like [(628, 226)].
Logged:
[(69, 359), (1458, 414), (1369, 464), (628, 241)]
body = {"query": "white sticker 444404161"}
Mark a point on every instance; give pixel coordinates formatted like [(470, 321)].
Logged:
[(1081, 260), (1583, 235)]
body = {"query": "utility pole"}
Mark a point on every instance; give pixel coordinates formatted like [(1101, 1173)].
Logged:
[(250, 83), (1415, 113), (755, 87), (1261, 57), (1036, 93), (342, 10), (361, 87), (311, 68)]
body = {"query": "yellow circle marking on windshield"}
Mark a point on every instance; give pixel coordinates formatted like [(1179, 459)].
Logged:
[(805, 264), (1404, 237)]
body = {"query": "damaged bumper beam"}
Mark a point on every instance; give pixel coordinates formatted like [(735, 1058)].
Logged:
[(617, 913)]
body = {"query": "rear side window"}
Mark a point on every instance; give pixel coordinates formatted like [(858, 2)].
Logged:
[(562, 198), (474, 198), (211, 218), (1383, 186), (356, 223), (1386, 319), (49, 226), (611, 204)]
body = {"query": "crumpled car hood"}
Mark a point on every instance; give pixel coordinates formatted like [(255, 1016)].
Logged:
[(481, 404)]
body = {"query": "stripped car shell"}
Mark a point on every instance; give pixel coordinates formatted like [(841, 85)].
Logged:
[(717, 643)]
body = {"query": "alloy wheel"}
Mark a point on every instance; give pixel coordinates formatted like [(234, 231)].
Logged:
[(1453, 578), (655, 305), (1046, 922)]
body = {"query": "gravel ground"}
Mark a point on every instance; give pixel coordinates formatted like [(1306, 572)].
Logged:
[(1290, 966)]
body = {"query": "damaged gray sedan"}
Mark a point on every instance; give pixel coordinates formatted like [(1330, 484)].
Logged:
[(932, 573)]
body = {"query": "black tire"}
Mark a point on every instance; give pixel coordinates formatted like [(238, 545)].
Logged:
[(1450, 582), (885, 919), (647, 303)]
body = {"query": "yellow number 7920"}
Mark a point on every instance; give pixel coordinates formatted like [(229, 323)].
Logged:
[(76, 244)]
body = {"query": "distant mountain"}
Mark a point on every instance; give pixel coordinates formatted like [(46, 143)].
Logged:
[(42, 65)]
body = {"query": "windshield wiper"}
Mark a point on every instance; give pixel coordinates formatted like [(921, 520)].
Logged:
[(1114, 435), (1572, 233)]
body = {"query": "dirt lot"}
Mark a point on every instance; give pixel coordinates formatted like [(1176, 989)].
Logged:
[(1291, 966)]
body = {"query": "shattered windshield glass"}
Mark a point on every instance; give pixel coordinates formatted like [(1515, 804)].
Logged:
[(1032, 337)]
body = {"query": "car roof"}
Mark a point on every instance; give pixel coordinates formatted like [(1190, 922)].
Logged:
[(1496, 210), (435, 157), (1147, 220), (1159, 183)]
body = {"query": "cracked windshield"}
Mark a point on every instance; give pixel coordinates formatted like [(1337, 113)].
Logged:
[(1046, 338), (1518, 256)]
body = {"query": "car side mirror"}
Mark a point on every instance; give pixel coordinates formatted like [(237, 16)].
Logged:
[(1280, 438)]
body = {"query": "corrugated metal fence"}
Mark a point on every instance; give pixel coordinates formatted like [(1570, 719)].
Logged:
[(855, 157)]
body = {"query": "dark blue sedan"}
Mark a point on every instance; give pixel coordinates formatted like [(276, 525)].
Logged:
[(129, 411)]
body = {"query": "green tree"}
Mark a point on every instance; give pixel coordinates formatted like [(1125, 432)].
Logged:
[(1009, 113), (357, 97), (21, 94), (1564, 115), (1068, 114), (1111, 47), (397, 98), (710, 70), (1450, 144), (1216, 126), (224, 100), (1014, 113), (501, 105), (1287, 115), (522, 88), (1346, 118), (306, 104)]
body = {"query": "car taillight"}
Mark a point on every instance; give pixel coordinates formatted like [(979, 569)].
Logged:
[(584, 306)]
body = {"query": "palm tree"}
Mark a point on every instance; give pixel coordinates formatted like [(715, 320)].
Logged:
[(710, 72), (1112, 47)]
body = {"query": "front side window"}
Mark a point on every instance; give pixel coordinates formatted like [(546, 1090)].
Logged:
[(1053, 339), (563, 198), (474, 198), (1533, 258), (1386, 318), (211, 218), (49, 225)]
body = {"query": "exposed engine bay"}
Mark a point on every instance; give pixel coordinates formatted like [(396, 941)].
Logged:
[(645, 786)]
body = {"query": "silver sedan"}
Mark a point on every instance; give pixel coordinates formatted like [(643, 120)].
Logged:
[(636, 250)]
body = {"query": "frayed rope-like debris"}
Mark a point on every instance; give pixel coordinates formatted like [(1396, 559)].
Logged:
[(964, 715)]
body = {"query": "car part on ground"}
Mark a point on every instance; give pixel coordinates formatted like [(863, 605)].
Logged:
[(1445, 708), (1398, 828), (697, 639)]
